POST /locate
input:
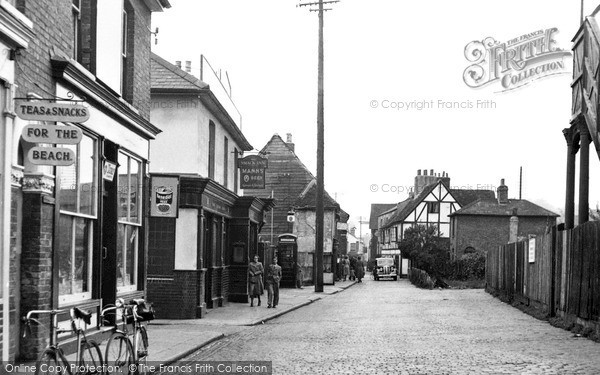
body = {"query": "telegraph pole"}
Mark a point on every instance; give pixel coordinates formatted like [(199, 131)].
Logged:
[(320, 149)]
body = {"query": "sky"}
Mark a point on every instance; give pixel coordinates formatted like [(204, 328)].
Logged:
[(381, 56)]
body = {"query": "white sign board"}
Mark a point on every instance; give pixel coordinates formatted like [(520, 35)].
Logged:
[(532, 250), (38, 133), (59, 156)]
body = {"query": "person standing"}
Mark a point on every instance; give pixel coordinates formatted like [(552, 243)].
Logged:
[(299, 276), (255, 280), (273, 278), (359, 269), (345, 267)]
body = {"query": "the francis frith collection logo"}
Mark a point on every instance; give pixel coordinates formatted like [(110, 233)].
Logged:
[(514, 63)]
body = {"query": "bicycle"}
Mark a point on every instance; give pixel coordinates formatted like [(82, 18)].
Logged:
[(52, 360), (121, 351)]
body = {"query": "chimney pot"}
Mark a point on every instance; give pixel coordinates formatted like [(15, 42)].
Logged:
[(418, 172), (289, 137), (188, 66), (178, 64), (425, 172), (431, 172)]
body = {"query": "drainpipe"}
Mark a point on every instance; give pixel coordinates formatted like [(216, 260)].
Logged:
[(5, 216)]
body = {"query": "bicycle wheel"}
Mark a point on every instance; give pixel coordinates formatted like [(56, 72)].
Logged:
[(52, 362), (91, 358), (119, 356), (141, 344)]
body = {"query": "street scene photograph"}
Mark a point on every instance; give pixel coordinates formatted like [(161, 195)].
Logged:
[(299, 187)]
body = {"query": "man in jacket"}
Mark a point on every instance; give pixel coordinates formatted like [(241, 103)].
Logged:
[(273, 278)]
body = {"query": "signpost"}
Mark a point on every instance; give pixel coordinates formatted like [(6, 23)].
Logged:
[(252, 172)]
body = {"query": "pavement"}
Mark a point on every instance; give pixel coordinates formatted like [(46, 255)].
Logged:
[(172, 340)]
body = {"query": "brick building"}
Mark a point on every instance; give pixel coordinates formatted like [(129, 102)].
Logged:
[(198, 258), (291, 184), (486, 223), (77, 235)]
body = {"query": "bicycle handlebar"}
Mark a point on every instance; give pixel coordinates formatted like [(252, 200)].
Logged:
[(39, 312)]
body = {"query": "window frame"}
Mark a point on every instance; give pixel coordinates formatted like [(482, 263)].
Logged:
[(128, 222), (89, 219)]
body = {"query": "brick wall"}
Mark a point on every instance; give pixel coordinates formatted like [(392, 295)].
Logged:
[(36, 267), (161, 246), (141, 59), (488, 232), (481, 232), (286, 177), (177, 297), (53, 29), (15, 265)]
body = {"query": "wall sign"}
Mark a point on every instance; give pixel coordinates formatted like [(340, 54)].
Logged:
[(47, 111), (532, 250), (164, 193), (252, 172), (108, 170)]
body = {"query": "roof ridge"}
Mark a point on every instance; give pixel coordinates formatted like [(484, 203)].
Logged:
[(180, 72)]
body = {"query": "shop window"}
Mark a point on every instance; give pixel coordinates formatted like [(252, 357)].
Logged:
[(78, 187), (129, 221)]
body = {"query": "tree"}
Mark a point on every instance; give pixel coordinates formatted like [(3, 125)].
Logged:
[(426, 250)]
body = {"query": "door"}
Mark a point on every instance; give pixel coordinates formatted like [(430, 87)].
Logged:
[(287, 257)]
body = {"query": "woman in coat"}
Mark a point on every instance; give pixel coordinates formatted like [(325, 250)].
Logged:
[(346, 267), (255, 280)]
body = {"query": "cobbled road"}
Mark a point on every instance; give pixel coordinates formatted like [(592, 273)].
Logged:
[(388, 327)]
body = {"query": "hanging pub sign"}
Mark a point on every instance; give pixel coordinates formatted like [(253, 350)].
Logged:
[(47, 111), (252, 172), (164, 194)]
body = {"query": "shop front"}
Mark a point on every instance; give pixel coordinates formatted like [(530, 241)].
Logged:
[(198, 260)]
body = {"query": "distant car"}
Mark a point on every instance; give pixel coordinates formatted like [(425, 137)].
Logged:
[(385, 268)]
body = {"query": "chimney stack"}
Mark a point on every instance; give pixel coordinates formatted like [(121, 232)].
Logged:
[(513, 234), (502, 192), (289, 142), (178, 64), (188, 66)]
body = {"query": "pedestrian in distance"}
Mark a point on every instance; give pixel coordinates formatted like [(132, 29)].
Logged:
[(359, 269), (299, 276), (255, 280), (352, 262), (273, 274), (345, 267)]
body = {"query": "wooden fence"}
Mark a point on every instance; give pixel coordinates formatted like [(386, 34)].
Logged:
[(560, 273)]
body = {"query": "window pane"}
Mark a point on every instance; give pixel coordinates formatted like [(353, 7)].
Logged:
[(126, 251), (135, 190), (68, 184), (65, 240), (82, 244), (123, 187), (87, 177)]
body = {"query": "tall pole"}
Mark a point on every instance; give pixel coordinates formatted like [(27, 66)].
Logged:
[(320, 162), (320, 220)]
